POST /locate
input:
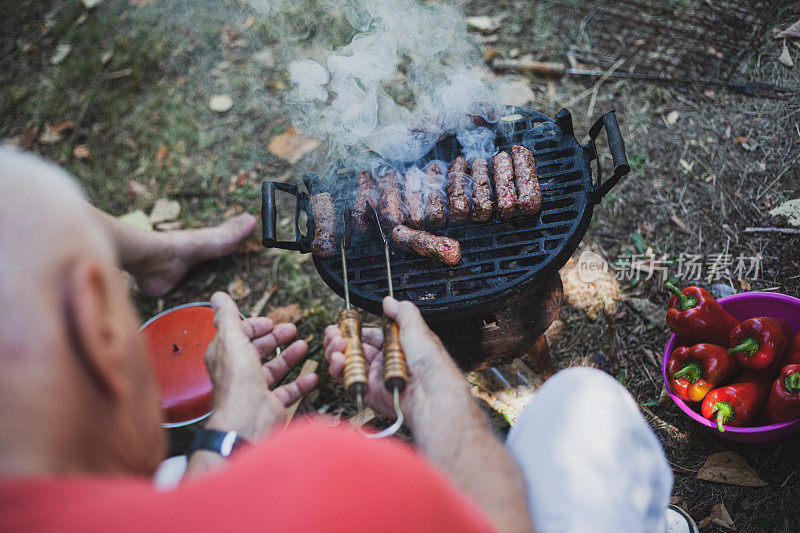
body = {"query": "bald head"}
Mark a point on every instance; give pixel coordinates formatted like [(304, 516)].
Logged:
[(76, 391), (45, 224)]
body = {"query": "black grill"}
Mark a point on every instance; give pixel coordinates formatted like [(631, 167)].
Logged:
[(501, 259)]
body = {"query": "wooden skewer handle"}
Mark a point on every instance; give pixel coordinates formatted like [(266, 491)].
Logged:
[(355, 361), (395, 368)]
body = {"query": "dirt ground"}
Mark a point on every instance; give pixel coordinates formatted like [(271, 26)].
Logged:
[(707, 163)]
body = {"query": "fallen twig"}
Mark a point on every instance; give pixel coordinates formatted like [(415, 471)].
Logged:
[(789, 231)]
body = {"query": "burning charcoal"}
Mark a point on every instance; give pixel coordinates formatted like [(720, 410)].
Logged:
[(481, 191), (390, 203), (366, 194), (530, 193), (413, 197), (459, 190), (435, 196), (436, 247), (504, 185), (325, 230)]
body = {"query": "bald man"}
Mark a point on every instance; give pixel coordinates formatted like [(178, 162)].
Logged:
[(79, 416)]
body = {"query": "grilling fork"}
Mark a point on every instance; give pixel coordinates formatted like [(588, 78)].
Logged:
[(355, 361), (395, 368)]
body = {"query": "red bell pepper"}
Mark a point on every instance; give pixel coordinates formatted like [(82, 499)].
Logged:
[(758, 342), (692, 372), (736, 404), (783, 403), (695, 316)]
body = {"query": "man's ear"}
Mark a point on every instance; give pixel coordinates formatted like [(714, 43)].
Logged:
[(93, 326)]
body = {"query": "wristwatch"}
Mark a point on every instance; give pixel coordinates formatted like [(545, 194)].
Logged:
[(221, 442)]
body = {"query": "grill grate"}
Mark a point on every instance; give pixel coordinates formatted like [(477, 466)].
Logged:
[(500, 258)]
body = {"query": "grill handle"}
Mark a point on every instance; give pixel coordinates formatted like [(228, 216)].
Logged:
[(269, 217), (617, 148)]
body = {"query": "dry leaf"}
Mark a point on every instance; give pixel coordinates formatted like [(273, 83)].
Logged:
[(490, 53), (49, 135), (721, 517), (785, 57), (791, 209), (792, 32), (161, 154), (515, 92), (64, 125), (265, 58), (483, 24), (137, 219), (730, 468), (81, 151), (248, 22), (27, 140), (62, 51), (292, 145), (220, 103), (672, 118), (739, 140), (137, 189), (287, 313), (165, 211), (238, 289)]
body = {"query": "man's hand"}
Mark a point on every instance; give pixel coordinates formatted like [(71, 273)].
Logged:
[(448, 427), (243, 401), (428, 361)]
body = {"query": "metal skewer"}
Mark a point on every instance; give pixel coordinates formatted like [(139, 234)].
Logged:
[(395, 368), (355, 361)]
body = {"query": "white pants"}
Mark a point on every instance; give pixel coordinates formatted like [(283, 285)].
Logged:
[(590, 460)]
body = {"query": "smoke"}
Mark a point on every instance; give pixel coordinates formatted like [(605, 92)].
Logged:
[(477, 143), (343, 97)]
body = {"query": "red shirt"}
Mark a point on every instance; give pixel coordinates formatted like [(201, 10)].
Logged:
[(310, 478)]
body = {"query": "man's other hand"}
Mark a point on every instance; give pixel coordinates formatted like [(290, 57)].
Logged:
[(429, 364), (243, 399)]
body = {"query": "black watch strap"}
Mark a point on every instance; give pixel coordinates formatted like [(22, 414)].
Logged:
[(221, 442)]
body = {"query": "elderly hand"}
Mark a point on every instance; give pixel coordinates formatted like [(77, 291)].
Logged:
[(243, 401), (429, 363)]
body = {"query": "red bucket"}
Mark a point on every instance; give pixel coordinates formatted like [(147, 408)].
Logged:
[(177, 340)]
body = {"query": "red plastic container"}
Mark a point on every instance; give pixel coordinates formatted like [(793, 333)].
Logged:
[(177, 339), (743, 306)]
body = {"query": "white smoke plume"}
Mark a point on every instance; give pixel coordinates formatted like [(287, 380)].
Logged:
[(343, 97)]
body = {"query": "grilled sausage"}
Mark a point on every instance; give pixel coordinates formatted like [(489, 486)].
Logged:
[(390, 204), (325, 231), (529, 197), (504, 187), (435, 197), (365, 195), (426, 244), (413, 196), (458, 191), (481, 191)]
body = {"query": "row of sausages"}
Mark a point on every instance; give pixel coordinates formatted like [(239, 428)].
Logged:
[(425, 198), (325, 243)]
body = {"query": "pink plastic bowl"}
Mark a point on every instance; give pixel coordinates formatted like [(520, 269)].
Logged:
[(743, 306)]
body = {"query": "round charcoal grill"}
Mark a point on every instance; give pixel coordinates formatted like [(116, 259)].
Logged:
[(501, 259)]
